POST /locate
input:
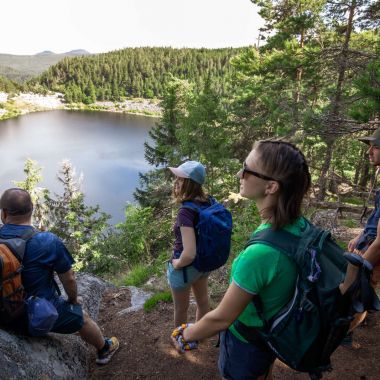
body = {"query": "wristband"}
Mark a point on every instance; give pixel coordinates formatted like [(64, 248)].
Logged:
[(182, 344)]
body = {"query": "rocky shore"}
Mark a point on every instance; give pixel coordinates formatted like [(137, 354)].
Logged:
[(20, 104)]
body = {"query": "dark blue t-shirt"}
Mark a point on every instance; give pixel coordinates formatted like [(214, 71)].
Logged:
[(44, 254), (370, 229)]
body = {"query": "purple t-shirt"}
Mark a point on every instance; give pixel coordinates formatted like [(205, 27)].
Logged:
[(185, 218)]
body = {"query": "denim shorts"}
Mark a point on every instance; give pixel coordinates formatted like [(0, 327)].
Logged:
[(176, 277), (70, 318), (242, 361)]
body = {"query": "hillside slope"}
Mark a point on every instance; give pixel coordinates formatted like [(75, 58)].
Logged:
[(23, 67)]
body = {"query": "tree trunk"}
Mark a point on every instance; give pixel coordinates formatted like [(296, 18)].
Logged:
[(366, 176), (323, 179), (297, 91), (333, 124)]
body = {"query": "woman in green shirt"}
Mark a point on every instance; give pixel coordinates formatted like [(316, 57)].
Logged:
[(276, 176)]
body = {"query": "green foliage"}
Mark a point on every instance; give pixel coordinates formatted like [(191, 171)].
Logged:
[(245, 220), (354, 201), (192, 127), (138, 275), (140, 239), (6, 85), (151, 303), (342, 244), (82, 228), (33, 178), (368, 88)]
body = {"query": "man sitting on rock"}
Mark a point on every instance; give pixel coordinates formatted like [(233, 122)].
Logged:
[(45, 254)]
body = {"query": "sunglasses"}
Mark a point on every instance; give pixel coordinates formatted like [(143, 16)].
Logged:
[(256, 174)]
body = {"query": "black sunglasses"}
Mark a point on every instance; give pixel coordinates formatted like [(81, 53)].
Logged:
[(256, 174)]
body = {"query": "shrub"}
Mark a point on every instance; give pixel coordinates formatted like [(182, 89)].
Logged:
[(138, 275), (150, 303)]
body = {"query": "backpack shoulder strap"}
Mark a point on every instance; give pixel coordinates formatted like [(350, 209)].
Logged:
[(282, 240), (289, 244), (191, 206), (17, 244)]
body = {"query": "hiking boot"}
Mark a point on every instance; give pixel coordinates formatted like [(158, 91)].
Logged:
[(349, 342), (105, 354)]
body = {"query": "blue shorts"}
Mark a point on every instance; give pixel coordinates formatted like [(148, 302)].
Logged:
[(70, 318), (242, 361), (176, 277)]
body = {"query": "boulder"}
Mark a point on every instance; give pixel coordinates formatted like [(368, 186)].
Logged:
[(55, 356)]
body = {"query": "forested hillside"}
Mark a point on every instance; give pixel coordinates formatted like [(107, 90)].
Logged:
[(138, 72), (6, 85)]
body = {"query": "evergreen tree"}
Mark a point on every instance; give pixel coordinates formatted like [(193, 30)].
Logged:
[(33, 177), (81, 227)]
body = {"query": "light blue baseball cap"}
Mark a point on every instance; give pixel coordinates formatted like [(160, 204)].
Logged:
[(190, 169)]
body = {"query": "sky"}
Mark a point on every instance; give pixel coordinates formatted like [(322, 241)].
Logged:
[(32, 26)]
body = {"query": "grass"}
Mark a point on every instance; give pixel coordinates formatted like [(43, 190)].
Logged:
[(151, 303), (354, 201), (341, 244), (350, 223), (138, 275)]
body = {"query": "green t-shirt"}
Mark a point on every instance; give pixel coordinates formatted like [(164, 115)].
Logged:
[(261, 269)]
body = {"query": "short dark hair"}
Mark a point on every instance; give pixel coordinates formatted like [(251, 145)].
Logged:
[(17, 202), (285, 162)]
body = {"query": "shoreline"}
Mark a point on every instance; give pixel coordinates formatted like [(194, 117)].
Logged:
[(24, 103)]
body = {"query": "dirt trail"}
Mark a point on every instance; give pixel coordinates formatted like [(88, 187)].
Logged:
[(146, 351)]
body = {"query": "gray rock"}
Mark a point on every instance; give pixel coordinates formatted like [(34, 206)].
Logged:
[(55, 356)]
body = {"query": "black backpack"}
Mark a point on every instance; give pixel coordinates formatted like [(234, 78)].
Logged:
[(306, 331)]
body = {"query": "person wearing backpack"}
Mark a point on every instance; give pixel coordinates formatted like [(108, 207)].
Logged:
[(276, 176), (367, 243), (45, 254), (183, 274)]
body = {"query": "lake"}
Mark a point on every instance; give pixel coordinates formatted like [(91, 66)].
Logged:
[(106, 148)]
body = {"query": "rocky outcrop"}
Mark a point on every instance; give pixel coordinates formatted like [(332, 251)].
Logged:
[(55, 356)]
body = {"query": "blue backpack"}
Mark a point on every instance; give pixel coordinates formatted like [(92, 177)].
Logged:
[(213, 233)]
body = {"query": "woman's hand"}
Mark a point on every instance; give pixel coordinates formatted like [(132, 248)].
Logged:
[(352, 243), (232, 305), (176, 263)]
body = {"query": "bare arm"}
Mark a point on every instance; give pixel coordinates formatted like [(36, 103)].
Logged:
[(189, 248), (232, 305), (372, 254), (70, 285)]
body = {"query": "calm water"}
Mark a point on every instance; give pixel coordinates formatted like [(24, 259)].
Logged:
[(108, 149)]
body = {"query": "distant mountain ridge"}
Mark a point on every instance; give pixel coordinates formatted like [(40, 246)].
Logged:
[(75, 53), (20, 68)]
